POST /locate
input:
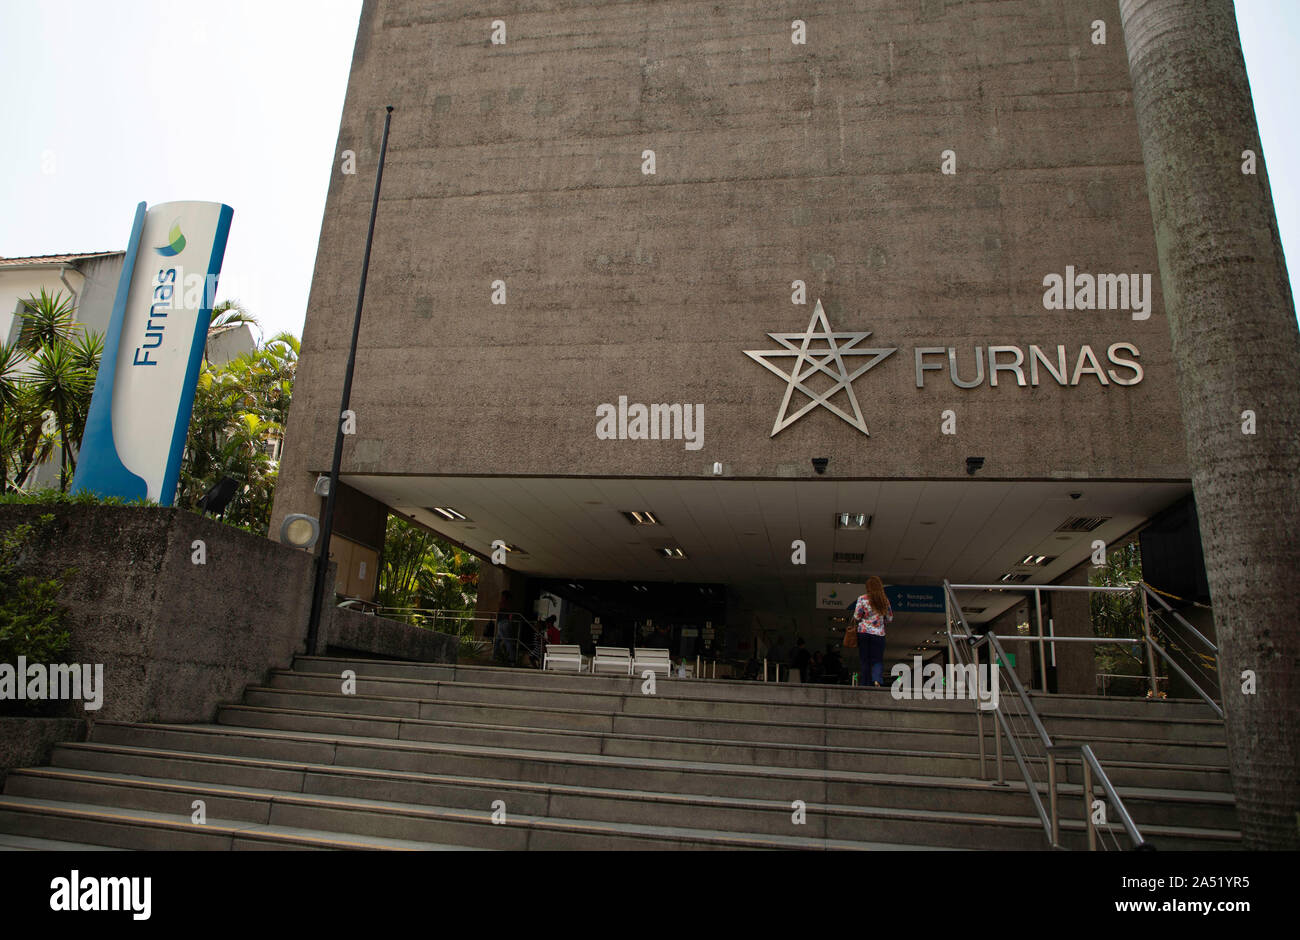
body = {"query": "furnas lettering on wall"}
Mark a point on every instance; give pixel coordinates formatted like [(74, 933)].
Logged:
[(1029, 367), (660, 422), (163, 291), (1098, 292)]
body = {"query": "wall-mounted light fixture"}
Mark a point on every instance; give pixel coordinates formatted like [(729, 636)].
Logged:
[(299, 531)]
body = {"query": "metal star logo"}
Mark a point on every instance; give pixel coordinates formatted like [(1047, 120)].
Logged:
[(810, 360)]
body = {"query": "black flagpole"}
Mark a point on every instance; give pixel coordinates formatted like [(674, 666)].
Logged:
[(327, 521)]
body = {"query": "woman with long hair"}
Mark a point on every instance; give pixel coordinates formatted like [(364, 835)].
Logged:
[(871, 613)]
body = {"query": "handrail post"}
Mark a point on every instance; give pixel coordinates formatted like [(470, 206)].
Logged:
[(1146, 632), (1051, 788), (1042, 649), (979, 717), (997, 737), (1087, 804)]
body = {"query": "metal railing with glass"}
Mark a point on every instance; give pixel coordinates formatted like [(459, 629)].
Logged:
[(1038, 758)]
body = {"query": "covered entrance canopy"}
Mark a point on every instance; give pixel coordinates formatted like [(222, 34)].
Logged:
[(739, 533)]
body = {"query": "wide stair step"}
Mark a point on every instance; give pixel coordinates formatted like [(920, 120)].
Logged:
[(421, 756)]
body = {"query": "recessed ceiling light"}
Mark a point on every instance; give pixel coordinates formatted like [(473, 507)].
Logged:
[(852, 520), (671, 552), (641, 517), (446, 512), (1037, 560)]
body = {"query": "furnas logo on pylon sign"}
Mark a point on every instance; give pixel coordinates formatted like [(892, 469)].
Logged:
[(144, 393), (175, 242), (823, 356)]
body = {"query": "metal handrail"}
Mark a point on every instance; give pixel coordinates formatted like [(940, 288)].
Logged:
[(1050, 821), (1143, 591), (1092, 768), (1188, 679), (1017, 687), (1154, 646), (1031, 787), (1180, 618)]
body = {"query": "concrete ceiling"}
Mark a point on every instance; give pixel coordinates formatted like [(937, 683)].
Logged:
[(739, 532)]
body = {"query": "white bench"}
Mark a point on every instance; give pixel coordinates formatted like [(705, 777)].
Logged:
[(615, 660), (654, 659), (569, 654)]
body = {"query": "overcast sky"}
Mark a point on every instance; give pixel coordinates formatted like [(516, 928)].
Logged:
[(105, 103)]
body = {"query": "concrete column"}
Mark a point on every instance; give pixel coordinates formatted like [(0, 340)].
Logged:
[(1071, 613), (492, 580)]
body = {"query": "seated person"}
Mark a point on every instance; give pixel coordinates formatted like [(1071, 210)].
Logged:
[(816, 669)]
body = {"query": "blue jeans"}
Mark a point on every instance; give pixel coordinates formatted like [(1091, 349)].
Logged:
[(504, 639), (871, 658)]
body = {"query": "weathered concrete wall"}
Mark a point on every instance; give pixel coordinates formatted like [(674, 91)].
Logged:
[(26, 742), (353, 631), (176, 639), (522, 162)]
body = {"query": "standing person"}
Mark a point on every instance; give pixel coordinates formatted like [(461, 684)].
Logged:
[(505, 634), (800, 661), (871, 613)]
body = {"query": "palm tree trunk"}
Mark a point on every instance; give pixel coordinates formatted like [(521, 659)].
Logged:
[(1236, 348)]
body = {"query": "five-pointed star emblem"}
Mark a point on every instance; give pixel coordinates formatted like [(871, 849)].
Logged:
[(810, 361)]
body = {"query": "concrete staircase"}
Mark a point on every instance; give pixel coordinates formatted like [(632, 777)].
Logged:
[(421, 756)]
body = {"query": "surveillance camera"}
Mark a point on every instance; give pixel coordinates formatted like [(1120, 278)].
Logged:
[(1075, 495), (819, 463), (973, 464)]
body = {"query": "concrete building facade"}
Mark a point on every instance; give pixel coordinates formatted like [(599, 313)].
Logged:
[(664, 256)]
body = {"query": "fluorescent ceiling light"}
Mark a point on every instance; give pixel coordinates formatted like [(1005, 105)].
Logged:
[(451, 515)]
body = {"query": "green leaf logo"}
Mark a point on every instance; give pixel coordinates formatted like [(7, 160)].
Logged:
[(176, 242)]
